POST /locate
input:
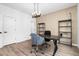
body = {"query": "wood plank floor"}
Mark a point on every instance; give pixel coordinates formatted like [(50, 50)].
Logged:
[(16, 49), (24, 48)]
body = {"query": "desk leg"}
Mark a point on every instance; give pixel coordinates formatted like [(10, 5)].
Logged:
[(55, 47)]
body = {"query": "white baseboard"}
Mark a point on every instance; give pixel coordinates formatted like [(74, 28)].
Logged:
[(1, 46)]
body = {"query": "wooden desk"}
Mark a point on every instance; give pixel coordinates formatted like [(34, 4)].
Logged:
[(55, 39)]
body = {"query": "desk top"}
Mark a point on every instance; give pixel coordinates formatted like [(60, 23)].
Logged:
[(52, 37)]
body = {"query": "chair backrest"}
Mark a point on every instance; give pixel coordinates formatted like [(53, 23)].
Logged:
[(33, 35), (37, 40), (47, 33)]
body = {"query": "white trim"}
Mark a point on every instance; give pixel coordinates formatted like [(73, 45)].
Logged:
[(1, 46), (78, 25)]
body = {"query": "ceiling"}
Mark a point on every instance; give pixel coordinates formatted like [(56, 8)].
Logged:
[(45, 8)]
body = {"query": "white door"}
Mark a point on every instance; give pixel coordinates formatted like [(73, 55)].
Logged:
[(9, 30), (1, 31)]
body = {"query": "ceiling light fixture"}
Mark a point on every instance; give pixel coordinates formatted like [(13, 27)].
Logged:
[(36, 13)]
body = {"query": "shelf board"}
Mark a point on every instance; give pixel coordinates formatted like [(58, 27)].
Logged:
[(41, 23), (41, 27), (66, 37), (41, 31), (65, 20), (65, 26), (64, 32)]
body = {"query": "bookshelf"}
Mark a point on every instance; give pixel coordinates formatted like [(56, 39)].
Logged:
[(65, 31), (40, 28)]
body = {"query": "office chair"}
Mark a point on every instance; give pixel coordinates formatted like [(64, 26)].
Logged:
[(37, 40)]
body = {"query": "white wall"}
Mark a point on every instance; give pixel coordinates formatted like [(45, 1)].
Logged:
[(78, 24), (25, 24)]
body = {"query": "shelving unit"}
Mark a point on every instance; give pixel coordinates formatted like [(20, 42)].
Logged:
[(65, 31), (40, 28)]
